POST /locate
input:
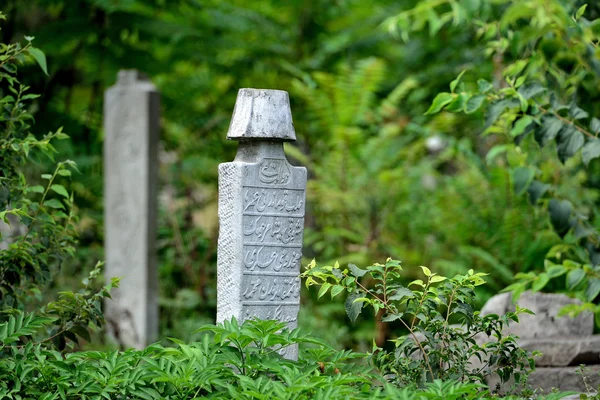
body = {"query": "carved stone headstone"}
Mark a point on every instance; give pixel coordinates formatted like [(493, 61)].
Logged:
[(131, 128), (261, 215)]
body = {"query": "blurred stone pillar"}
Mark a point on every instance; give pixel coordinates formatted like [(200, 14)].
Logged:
[(131, 133)]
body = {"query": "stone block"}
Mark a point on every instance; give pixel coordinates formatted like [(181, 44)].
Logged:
[(261, 215), (131, 131), (545, 322)]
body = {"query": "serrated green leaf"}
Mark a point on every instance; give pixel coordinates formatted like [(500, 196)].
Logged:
[(40, 58), (402, 293), (335, 290), (359, 273), (353, 309)]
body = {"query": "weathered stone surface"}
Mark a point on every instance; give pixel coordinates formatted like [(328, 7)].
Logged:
[(261, 215), (131, 126), (545, 379), (545, 322), (12, 231), (262, 114), (564, 351)]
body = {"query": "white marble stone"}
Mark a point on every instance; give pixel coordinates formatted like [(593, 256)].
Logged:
[(131, 132), (261, 215)]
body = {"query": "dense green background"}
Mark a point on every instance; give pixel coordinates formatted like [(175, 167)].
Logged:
[(385, 179)]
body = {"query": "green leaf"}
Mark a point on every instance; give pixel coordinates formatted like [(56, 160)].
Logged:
[(40, 58), (417, 282), (577, 113), (570, 140), (402, 293), (64, 172), (593, 289), (458, 103), (81, 332), (435, 23), (536, 190), (324, 288), (498, 108), (496, 151), (455, 82), (353, 308), (560, 213), (30, 96), (60, 189), (36, 189), (335, 290), (391, 317), (540, 282), (574, 278), (426, 271), (474, 103), (522, 178), (520, 125), (356, 271), (437, 278), (531, 90), (54, 203), (549, 129), (555, 270), (441, 100), (580, 11), (484, 86), (591, 150), (595, 125)]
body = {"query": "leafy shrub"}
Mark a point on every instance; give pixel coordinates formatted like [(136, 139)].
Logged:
[(41, 216), (433, 348), (230, 361), (541, 111)]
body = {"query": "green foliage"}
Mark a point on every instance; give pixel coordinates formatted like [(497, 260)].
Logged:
[(229, 361), (432, 348), (546, 77), (40, 220)]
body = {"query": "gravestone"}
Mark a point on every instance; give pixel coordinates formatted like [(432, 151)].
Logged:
[(261, 215), (131, 129)]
